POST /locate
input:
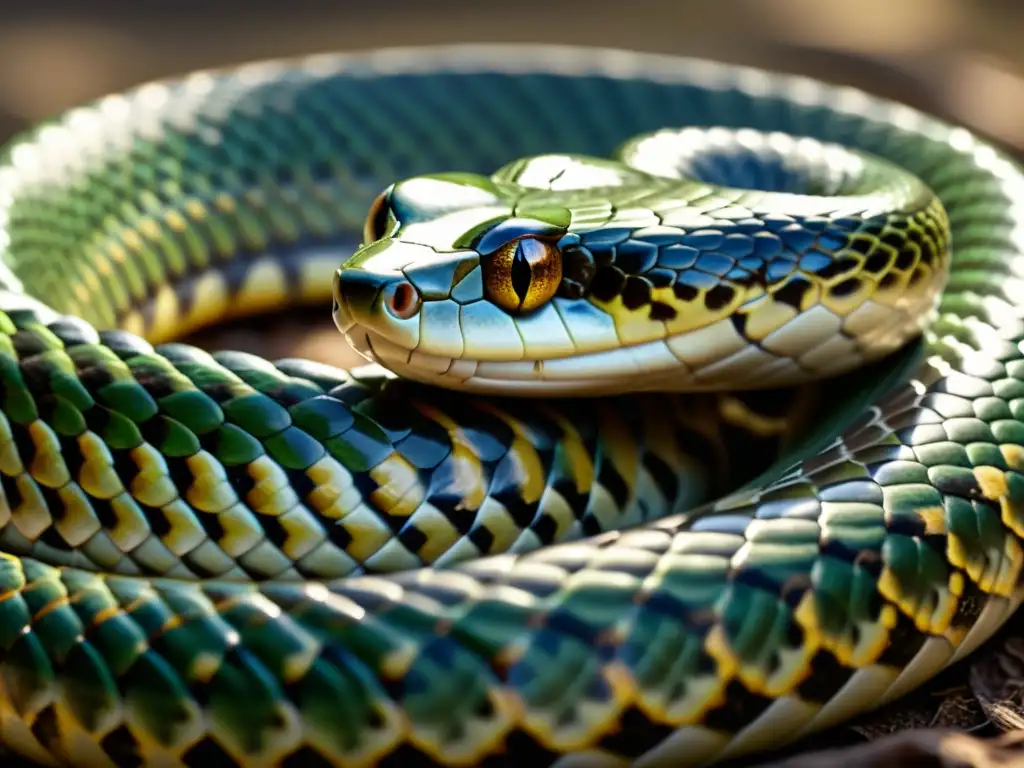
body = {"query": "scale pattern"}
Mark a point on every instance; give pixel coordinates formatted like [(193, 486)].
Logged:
[(841, 581), (668, 284)]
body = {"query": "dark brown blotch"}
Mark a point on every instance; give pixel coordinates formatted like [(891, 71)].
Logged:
[(846, 288), (838, 267), (684, 291), (636, 293), (793, 292), (888, 281), (877, 261), (719, 297), (662, 311), (895, 239), (578, 270), (608, 283), (862, 245), (906, 258)]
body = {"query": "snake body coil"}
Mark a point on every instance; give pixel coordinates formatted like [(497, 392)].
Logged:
[(215, 559)]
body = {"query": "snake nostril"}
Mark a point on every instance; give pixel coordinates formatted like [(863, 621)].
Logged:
[(402, 300)]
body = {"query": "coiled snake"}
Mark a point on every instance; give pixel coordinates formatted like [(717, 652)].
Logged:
[(215, 559)]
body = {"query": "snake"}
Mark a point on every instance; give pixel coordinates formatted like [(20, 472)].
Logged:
[(691, 423)]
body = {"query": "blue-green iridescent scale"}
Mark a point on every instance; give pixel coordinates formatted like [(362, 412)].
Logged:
[(213, 558)]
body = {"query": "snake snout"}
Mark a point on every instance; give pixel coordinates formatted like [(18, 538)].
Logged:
[(381, 303)]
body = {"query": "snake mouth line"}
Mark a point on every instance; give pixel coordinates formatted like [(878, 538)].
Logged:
[(681, 363), (714, 357)]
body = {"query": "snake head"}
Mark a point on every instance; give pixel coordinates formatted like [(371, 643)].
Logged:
[(484, 284), (456, 281), (573, 275)]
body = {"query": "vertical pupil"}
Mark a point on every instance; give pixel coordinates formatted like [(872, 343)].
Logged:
[(521, 271)]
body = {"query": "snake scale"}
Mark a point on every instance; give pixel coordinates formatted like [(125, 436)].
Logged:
[(213, 559)]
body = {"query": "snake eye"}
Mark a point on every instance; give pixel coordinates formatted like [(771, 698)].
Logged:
[(523, 274), (379, 221)]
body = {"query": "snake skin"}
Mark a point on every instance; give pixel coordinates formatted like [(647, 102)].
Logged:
[(211, 559), (691, 261)]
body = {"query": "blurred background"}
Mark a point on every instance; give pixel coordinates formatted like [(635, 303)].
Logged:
[(961, 59)]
